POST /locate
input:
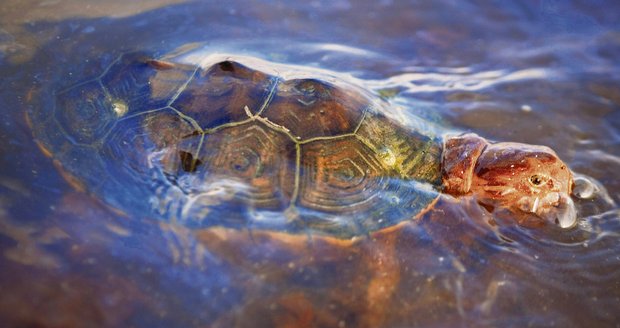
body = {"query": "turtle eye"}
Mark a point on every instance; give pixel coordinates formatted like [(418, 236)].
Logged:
[(537, 180)]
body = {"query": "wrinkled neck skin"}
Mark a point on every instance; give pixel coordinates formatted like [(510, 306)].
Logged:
[(529, 181)]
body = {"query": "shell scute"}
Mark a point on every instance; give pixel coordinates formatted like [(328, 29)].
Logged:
[(338, 174), (84, 113), (140, 86), (221, 93), (312, 108), (408, 153), (252, 162)]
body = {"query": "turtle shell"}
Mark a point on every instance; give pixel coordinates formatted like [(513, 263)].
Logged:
[(244, 144)]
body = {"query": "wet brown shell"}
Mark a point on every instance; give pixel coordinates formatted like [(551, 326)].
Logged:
[(225, 144)]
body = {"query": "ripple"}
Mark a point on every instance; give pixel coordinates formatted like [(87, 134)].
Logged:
[(460, 79)]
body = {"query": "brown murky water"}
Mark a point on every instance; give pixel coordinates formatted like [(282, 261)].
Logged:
[(542, 73)]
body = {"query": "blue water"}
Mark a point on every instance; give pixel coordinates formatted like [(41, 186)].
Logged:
[(541, 72)]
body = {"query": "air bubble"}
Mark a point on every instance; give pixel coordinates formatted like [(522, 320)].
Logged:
[(584, 188)]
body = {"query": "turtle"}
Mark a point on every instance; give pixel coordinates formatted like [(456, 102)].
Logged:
[(296, 189), (239, 142)]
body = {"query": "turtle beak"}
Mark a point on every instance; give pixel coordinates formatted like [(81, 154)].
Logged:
[(557, 208)]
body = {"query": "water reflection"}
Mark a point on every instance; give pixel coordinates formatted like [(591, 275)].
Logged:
[(541, 74)]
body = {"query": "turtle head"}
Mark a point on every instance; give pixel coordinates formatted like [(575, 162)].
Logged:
[(529, 181)]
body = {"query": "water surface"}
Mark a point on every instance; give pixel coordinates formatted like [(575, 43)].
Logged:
[(546, 72)]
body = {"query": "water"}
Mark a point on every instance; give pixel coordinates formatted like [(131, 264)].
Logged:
[(541, 73)]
